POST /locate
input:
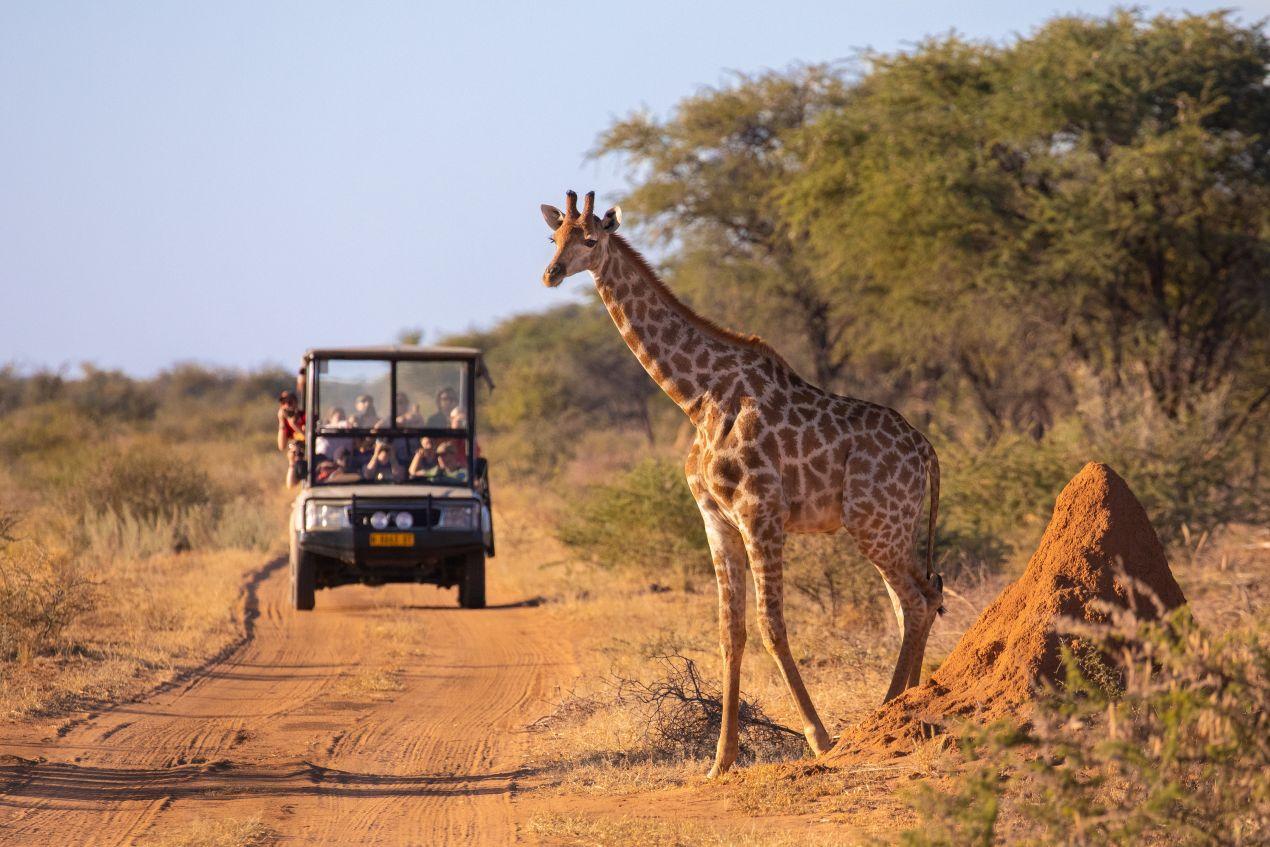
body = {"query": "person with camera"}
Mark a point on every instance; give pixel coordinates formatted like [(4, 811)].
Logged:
[(290, 432)]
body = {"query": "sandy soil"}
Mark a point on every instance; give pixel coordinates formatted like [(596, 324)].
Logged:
[(387, 716)]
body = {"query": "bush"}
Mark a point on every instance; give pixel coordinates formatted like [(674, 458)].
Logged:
[(645, 520), (1162, 737), (40, 595), (148, 483), (829, 572), (996, 497)]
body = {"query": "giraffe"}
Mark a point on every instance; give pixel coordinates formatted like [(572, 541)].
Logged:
[(772, 454)]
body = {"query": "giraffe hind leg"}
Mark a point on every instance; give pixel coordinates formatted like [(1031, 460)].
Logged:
[(913, 612)]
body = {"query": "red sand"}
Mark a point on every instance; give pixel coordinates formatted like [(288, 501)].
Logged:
[(1099, 530)]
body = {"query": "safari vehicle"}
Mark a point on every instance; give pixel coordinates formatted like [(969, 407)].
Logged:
[(368, 512)]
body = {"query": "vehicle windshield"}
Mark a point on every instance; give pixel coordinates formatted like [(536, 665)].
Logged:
[(391, 421)]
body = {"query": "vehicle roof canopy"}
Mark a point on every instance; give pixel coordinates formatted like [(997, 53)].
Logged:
[(392, 351)]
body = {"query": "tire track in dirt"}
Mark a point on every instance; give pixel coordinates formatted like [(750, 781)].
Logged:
[(385, 716)]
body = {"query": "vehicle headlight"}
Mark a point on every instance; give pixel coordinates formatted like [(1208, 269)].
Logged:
[(456, 516), (327, 515), (404, 520), (379, 520)]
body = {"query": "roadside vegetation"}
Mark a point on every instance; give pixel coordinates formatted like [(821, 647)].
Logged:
[(130, 511)]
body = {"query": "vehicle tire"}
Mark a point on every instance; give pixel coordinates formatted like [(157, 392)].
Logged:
[(303, 578), (472, 587)]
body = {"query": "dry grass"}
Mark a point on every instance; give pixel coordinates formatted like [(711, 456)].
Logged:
[(629, 831), (208, 832)]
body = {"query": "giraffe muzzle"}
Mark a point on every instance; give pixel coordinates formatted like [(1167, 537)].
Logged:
[(553, 276)]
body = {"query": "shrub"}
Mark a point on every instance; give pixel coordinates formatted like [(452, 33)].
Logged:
[(682, 714), (843, 585), (147, 482), (1169, 743), (40, 595), (646, 519), (996, 497)]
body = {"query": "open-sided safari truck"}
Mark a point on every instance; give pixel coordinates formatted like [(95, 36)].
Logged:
[(391, 487)]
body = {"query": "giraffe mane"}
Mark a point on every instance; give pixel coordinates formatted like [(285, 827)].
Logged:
[(722, 333)]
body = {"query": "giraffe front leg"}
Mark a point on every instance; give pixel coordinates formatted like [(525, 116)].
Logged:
[(728, 553), (765, 545)]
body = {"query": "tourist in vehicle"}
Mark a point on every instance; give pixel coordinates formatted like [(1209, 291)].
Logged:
[(290, 432), (408, 414), (341, 470), (449, 468), (364, 414), (325, 446), (363, 451), (447, 402), (425, 459), (458, 420), (383, 465)]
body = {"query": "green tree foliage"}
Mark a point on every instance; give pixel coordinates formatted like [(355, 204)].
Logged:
[(987, 217), (1098, 190)]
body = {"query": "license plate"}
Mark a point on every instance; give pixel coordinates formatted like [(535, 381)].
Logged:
[(392, 539)]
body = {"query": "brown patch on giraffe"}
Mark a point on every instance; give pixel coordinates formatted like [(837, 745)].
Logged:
[(1099, 533), (789, 439), (727, 469)]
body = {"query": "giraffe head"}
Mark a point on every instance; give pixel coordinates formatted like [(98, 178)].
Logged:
[(577, 237)]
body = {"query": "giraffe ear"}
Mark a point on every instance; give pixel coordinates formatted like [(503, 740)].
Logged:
[(612, 219), (553, 216)]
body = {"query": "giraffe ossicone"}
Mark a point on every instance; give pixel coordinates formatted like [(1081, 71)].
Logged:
[(773, 454)]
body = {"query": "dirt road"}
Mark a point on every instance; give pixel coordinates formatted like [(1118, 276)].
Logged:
[(386, 716)]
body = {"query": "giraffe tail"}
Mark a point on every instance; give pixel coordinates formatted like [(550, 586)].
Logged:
[(932, 476)]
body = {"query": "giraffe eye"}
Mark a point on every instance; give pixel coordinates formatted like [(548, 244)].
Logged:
[(590, 242)]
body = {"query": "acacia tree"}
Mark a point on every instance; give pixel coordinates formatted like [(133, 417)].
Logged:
[(707, 180), (1094, 194)]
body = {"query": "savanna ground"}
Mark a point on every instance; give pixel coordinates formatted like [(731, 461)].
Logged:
[(1043, 253)]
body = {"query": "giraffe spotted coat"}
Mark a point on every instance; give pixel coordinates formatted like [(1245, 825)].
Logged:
[(773, 454)]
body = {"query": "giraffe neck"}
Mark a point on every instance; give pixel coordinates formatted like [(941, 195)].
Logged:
[(683, 353)]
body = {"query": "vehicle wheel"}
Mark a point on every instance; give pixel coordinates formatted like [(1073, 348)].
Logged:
[(303, 578), (472, 588)]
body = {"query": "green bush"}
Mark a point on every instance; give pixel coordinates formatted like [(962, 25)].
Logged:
[(646, 520), (1171, 747), (996, 497)]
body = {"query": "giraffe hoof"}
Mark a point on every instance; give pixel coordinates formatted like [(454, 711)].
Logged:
[(717, 771)]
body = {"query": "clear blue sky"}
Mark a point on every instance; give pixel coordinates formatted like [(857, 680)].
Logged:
[(233, 182)]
